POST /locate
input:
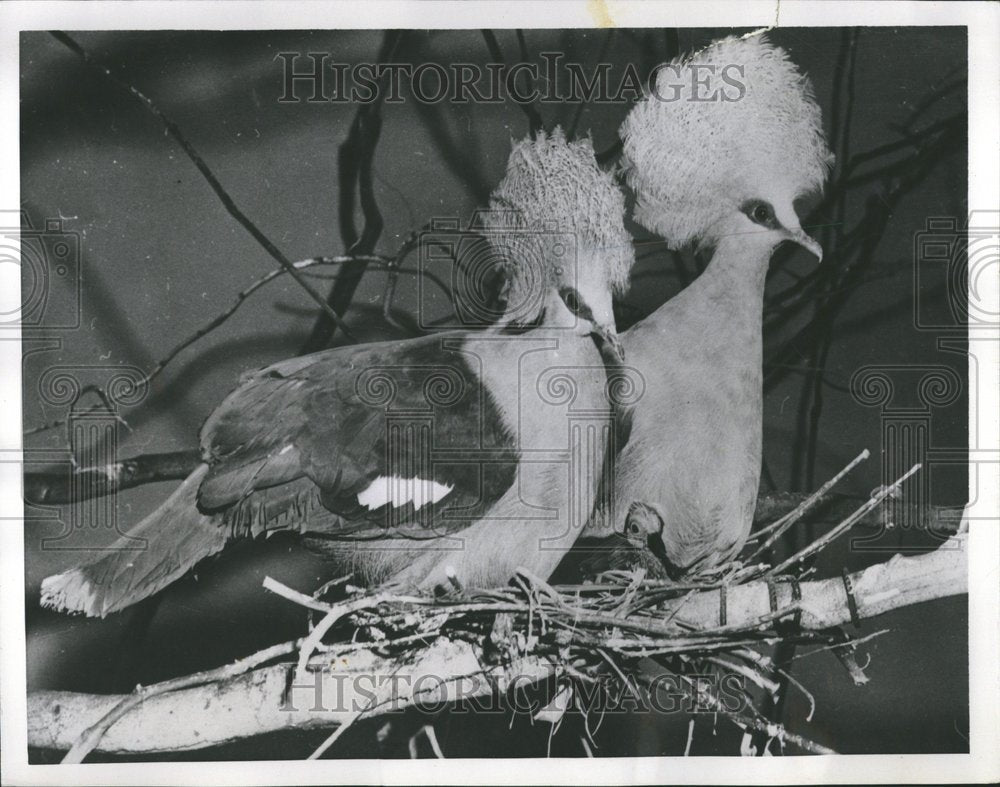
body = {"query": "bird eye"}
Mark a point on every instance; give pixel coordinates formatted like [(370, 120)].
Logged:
[(760, 212), (633, 529), (571, 299)]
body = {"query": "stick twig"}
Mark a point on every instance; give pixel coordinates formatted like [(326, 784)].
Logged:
[(220, 191), (844, 526), (777, 529), (384, 263), (225, 708), (355, 161)]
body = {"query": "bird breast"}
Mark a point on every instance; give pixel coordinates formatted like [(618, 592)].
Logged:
[(549, 390), (695, 448)]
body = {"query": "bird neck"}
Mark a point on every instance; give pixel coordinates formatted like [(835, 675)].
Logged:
[(729, 292), (738, 270)]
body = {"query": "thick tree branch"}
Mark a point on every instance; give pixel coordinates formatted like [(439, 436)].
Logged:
[(69, 485), (343, 683), (255, 703)]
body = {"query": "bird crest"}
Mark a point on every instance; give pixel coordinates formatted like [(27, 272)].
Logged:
[(731, 122), (554, 195)]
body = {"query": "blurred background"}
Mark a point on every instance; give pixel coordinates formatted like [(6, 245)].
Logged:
[(160, 255)]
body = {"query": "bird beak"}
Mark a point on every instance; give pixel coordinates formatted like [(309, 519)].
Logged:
[(602, 324), (789, 220), (609, 339), (800, 238)]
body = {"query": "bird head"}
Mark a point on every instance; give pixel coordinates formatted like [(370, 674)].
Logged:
[(725, 142), (557, 223), (770, 224)]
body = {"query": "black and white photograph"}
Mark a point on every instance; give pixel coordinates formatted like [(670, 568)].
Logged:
[(590, 393)]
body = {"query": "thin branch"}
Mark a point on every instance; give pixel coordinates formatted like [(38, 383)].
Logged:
[(224, 197), (386, 263), (878, 211), (602, 55), (527, 107), (73, 485), (821, 354), (355, 159), (844, 526), (241, 297), (777, 529), (830, 238), (932, 142)]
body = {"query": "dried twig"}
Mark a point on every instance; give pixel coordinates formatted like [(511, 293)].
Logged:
[(147, 720), (389, 264), (880, 209), (844, 526), (778, 528), (527, 107), (812, 392), (220, 191), (355, 160)]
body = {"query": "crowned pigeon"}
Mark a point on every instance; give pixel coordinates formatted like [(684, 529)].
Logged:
[(722, 175), (455, 457)]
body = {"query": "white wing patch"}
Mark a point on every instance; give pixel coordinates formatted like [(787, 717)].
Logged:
[(400, 491)]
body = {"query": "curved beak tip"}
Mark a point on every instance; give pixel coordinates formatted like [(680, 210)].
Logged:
[(609, 337), (807, 243)]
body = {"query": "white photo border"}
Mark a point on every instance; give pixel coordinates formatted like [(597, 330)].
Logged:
[(982, 20)]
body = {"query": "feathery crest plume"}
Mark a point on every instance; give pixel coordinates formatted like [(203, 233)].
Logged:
[(692, 161), (554, 188)]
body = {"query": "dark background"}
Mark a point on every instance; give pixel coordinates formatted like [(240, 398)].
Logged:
[(160, 255)]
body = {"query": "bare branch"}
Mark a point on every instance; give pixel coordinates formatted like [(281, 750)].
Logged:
[(528, 107), (776, 529), (215, 711), (220, 191), (90, 737), (862, 237), (255, 703), (844, 526), (386, 263), (73, 485), (355, 161)]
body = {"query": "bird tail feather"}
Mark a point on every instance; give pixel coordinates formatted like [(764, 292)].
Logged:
[(176, 536)]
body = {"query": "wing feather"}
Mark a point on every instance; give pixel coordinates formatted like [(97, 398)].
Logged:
[(296, 443)]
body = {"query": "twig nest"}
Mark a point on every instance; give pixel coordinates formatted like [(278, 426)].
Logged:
[(732, 122)]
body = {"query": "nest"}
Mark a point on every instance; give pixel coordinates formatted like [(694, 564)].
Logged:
[(619, 630), (622, 626)]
